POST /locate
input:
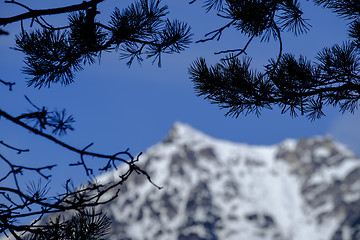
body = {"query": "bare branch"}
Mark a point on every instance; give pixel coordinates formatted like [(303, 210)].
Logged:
[(240, 50), (43, 12), (55, 140), (14, 148), (10, 84), (216, 33)]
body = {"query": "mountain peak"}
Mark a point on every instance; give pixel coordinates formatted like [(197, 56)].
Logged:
[(216, 189), (182, 132)]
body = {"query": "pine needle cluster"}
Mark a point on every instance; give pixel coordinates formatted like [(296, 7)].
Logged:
[(55, 54), (295, 84)]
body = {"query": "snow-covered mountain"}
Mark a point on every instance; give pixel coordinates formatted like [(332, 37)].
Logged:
[(306, 189)]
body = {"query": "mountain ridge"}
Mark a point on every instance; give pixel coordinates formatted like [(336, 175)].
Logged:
[(216, 189)]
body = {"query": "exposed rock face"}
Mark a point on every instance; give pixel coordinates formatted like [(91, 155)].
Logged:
[(214, 189)]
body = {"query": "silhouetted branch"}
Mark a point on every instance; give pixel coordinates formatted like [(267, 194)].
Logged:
[(43, 12), (22, 205), (294, 85), (15, 169), (14, 148), (239, 51), (3, 32), (10, 84), (216, 33), (54, 55)]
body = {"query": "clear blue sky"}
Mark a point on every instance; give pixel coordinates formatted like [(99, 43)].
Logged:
[(117, 107)]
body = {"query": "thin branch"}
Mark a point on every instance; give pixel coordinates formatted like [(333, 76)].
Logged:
[(240, 50), (44, 24), (55, 140), (216, 33), (81, 152), (280, 44), (20, 4), (10, 84), (28, 99), (52, 11), (88, 171), (14, 148), (3, 32)]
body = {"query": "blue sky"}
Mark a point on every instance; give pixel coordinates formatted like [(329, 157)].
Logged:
[(117, 107)]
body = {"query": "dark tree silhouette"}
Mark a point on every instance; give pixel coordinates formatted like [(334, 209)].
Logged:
[(83, 225), (295, 84), (53, 55)]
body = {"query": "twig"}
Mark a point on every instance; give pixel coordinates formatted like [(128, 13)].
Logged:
[(10, 84), (240, 50), (217, 32), (14, 148), (55, 140), (52, 11)]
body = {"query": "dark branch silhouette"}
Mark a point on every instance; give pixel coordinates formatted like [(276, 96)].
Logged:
[(10, 84), (295, 84), (33, 14), (54, 55), (18, 203)]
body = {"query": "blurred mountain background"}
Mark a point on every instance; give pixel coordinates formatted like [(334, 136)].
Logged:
[(215, 189)]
